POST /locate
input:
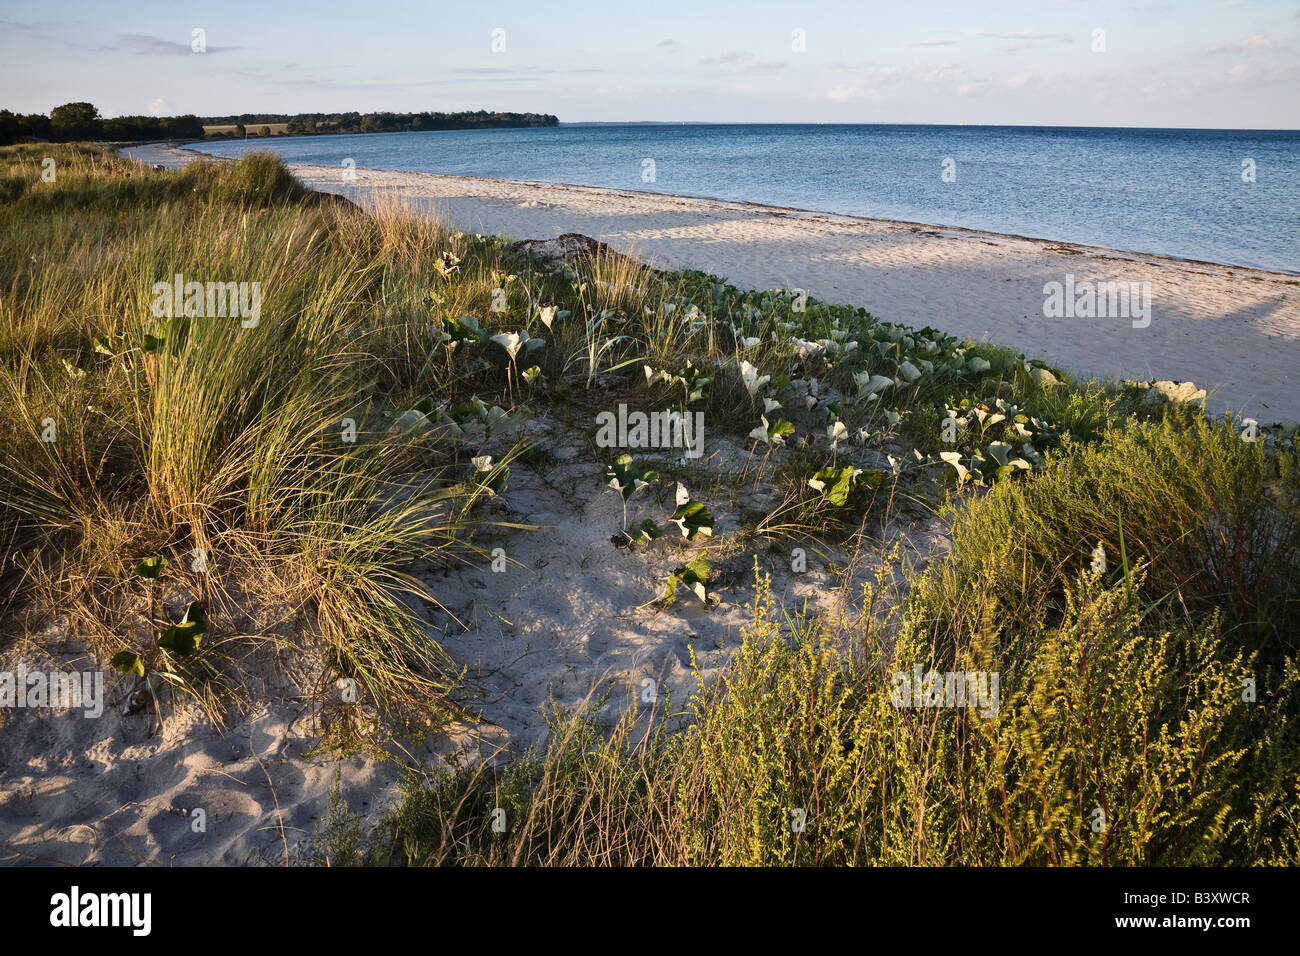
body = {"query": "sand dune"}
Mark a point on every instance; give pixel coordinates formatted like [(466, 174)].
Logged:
[(123, 790)]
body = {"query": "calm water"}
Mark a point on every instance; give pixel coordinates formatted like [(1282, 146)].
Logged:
[(1171, 192)]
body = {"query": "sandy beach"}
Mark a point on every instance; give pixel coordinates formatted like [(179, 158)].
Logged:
[(1233, 331)]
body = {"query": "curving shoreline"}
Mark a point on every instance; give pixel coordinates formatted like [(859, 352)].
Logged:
[(1233, 330)]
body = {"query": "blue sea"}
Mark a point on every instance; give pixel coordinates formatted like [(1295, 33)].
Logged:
[(1171, 192)]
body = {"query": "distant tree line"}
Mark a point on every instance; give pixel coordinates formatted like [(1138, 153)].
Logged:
[(81, 121), (307, 124)]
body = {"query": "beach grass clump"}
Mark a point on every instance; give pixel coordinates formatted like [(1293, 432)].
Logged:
[(257, 179), (251, 446)]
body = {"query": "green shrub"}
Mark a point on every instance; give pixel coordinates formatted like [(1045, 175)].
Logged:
[(1214, 521)]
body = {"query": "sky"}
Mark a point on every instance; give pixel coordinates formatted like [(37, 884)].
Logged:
[(1181, 63)]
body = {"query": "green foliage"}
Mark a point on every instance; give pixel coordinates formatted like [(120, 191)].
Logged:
[(694, 575), (338, 839), (309, 124), (1209, 517), (835, 484), (804, 755), (75, 121), (773, 433), (627, 479), (988, 441), (1131, 727), (150, 568), (693, 519), (127, 662), (200, 432), (489, 475), (693, 382), (557, 806), (1121, 691), (257, 180), (647, 531), (184, 638)]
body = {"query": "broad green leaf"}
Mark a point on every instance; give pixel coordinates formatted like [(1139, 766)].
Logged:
[(693, 519), (465, 329), (626, 478), (127, 662), (183, 638), (834, 483), (954, 458), (150, 567), (427, 406), (753, 381), (647, 531)]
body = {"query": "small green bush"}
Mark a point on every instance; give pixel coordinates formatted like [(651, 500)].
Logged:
[(1214, 521)]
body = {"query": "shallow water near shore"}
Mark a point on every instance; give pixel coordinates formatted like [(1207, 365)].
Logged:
[(1180, 193)]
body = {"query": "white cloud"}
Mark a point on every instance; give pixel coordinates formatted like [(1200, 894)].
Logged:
[(144, 45), (1254, 40), (1026, 35), (937, 78), (943, 75), (743, 59)]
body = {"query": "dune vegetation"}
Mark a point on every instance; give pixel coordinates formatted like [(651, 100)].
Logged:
[(182, 489)]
